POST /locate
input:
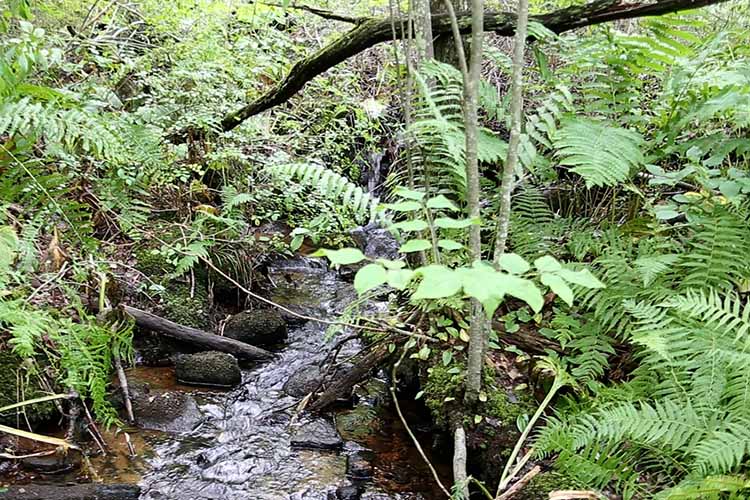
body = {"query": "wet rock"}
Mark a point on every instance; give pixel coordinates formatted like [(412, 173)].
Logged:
[(74, 492), (52, 464), (359, 465), (375, 242), (210, 368), (303, 381), (161, 410), (349, 492), (317, 434), (261, 327)]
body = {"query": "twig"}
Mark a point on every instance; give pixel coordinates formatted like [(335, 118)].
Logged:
[(520, 483), (43, 285), (95, 432), (10, 456), (408, 429), (125, 390)]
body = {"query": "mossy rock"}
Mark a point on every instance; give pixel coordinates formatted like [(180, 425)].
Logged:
[(261, 327), (11, 371), (210, 368)]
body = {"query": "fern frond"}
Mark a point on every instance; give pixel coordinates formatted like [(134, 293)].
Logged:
[(604, 155), (332, 184)]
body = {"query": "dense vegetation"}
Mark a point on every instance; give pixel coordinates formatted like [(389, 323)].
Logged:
[(629, 226)]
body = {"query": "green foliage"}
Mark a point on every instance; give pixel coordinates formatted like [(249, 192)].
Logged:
[(330, 184), (603, 155)]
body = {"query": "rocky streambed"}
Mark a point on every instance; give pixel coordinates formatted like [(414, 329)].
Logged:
[(248, 442)]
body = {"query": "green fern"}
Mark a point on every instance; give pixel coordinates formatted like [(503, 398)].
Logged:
[(332, 185), (713, 249), (604, 155)]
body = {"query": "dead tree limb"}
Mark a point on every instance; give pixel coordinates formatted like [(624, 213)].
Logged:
[(340, 386), (194, 336), (372, 31)]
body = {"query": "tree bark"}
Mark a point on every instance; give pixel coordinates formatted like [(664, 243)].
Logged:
[(372, 31), (193, 336), (423, 30), (516, 110)]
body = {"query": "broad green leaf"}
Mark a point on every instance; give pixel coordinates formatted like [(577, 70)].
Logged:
[(369, 277), (343, 257), (409, 194), (391, 264), (404, 206), (399, 278), (438, 282), (583, 278), (514, 263), (547, 264), (441, 202), (485, 284), (558, 285), (415, 246), (450, 223), (411, 225), (450, 244), (525, 290)]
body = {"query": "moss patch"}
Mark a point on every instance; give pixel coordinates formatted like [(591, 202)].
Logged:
[(541, 485), (180, 307), (443, 386)]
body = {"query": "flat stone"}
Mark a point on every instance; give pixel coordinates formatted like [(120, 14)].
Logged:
[(317, 434)]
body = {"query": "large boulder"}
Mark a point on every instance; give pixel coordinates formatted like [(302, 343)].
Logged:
[(210, 368), (261, 327), (317, 434)]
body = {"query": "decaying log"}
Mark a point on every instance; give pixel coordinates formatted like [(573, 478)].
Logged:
[(195, 336), (341, 385), (371, 31)]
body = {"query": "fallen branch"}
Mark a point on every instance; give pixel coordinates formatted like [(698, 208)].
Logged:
[(324, 13), (194, 336), (357, 373), (371, 31)]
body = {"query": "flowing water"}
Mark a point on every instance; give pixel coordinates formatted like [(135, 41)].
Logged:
[(241, 447)]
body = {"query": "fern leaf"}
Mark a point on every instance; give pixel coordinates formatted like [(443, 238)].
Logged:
[(602, 154)]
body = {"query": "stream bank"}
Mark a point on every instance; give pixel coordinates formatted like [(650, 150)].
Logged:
[(247, 442)]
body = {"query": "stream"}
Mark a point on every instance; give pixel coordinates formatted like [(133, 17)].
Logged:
[(240, 447)]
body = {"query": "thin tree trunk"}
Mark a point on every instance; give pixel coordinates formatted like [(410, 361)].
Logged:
[(516, 109), (423, 30)]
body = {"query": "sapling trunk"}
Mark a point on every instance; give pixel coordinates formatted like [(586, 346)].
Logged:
[(516, 109)]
